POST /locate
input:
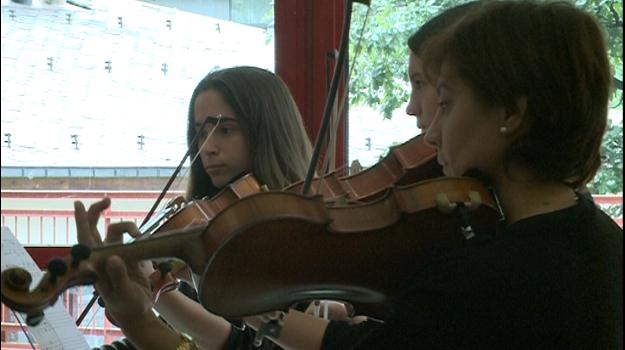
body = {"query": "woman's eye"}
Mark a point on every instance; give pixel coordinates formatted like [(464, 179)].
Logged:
[(226, 130)]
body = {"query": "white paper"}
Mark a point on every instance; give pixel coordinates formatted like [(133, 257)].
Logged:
[(57, 330)]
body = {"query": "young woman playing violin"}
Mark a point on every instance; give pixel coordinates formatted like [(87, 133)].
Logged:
[(423, 101), (254, 127), (207, 177), (523, 91)]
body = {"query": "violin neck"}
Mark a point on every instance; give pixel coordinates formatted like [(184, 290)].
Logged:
[(184, 244)]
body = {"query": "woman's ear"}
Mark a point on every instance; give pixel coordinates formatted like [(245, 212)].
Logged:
[(515, 116)]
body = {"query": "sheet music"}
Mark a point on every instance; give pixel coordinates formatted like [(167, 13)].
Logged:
[(57, 330)]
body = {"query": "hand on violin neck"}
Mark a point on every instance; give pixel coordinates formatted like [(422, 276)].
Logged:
[(126, 292), (87, 221)]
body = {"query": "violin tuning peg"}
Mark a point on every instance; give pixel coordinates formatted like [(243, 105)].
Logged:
[(79, 253), (101, 302), (34, 320), (56, 267)]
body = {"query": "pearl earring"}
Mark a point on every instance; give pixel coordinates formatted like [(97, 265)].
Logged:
[(503, 130)]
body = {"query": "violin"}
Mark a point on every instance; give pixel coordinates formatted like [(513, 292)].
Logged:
[(179, 214), (242, 268), (410, 162)]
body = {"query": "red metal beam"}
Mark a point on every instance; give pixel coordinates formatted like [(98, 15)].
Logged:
[(42, 255), (307, 31), (608, 199)]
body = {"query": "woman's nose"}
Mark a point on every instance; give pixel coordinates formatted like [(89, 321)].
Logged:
[(413, 108), (209, 146)]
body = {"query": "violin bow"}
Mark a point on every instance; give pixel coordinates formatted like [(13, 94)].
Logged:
[(330, 100), (158, 201), (329, 161)]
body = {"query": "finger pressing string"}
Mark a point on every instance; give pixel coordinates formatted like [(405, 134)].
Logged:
[(115, 232)]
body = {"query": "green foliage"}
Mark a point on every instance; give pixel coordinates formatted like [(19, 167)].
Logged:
[(609, 179), (380, 80)]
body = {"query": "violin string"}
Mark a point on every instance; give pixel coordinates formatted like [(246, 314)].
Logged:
[(168, 185), (26, 333), (173, 176), (185, 172)]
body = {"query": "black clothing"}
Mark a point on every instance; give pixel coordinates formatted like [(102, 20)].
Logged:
[(242, 338), (552, 281)]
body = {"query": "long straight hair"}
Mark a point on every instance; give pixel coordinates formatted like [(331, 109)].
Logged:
[(270, 119)]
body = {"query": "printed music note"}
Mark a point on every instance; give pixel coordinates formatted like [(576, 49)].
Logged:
[(57, 330)]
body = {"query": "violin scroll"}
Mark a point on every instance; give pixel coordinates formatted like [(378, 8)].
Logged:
[(19, 280), (61, 274)]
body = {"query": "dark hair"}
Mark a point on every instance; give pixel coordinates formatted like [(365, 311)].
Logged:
[(553, 55), (267, 112), (442, 21)]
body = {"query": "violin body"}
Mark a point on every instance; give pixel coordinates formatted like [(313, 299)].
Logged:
[(363, 254), (269, 250), (202, 211), (408, 163), (199, 212)]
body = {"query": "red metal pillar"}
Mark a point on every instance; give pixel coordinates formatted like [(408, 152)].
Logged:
[(307, 32)]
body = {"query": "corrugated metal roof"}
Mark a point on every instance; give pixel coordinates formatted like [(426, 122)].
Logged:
[(55, 83), (90, 172)]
